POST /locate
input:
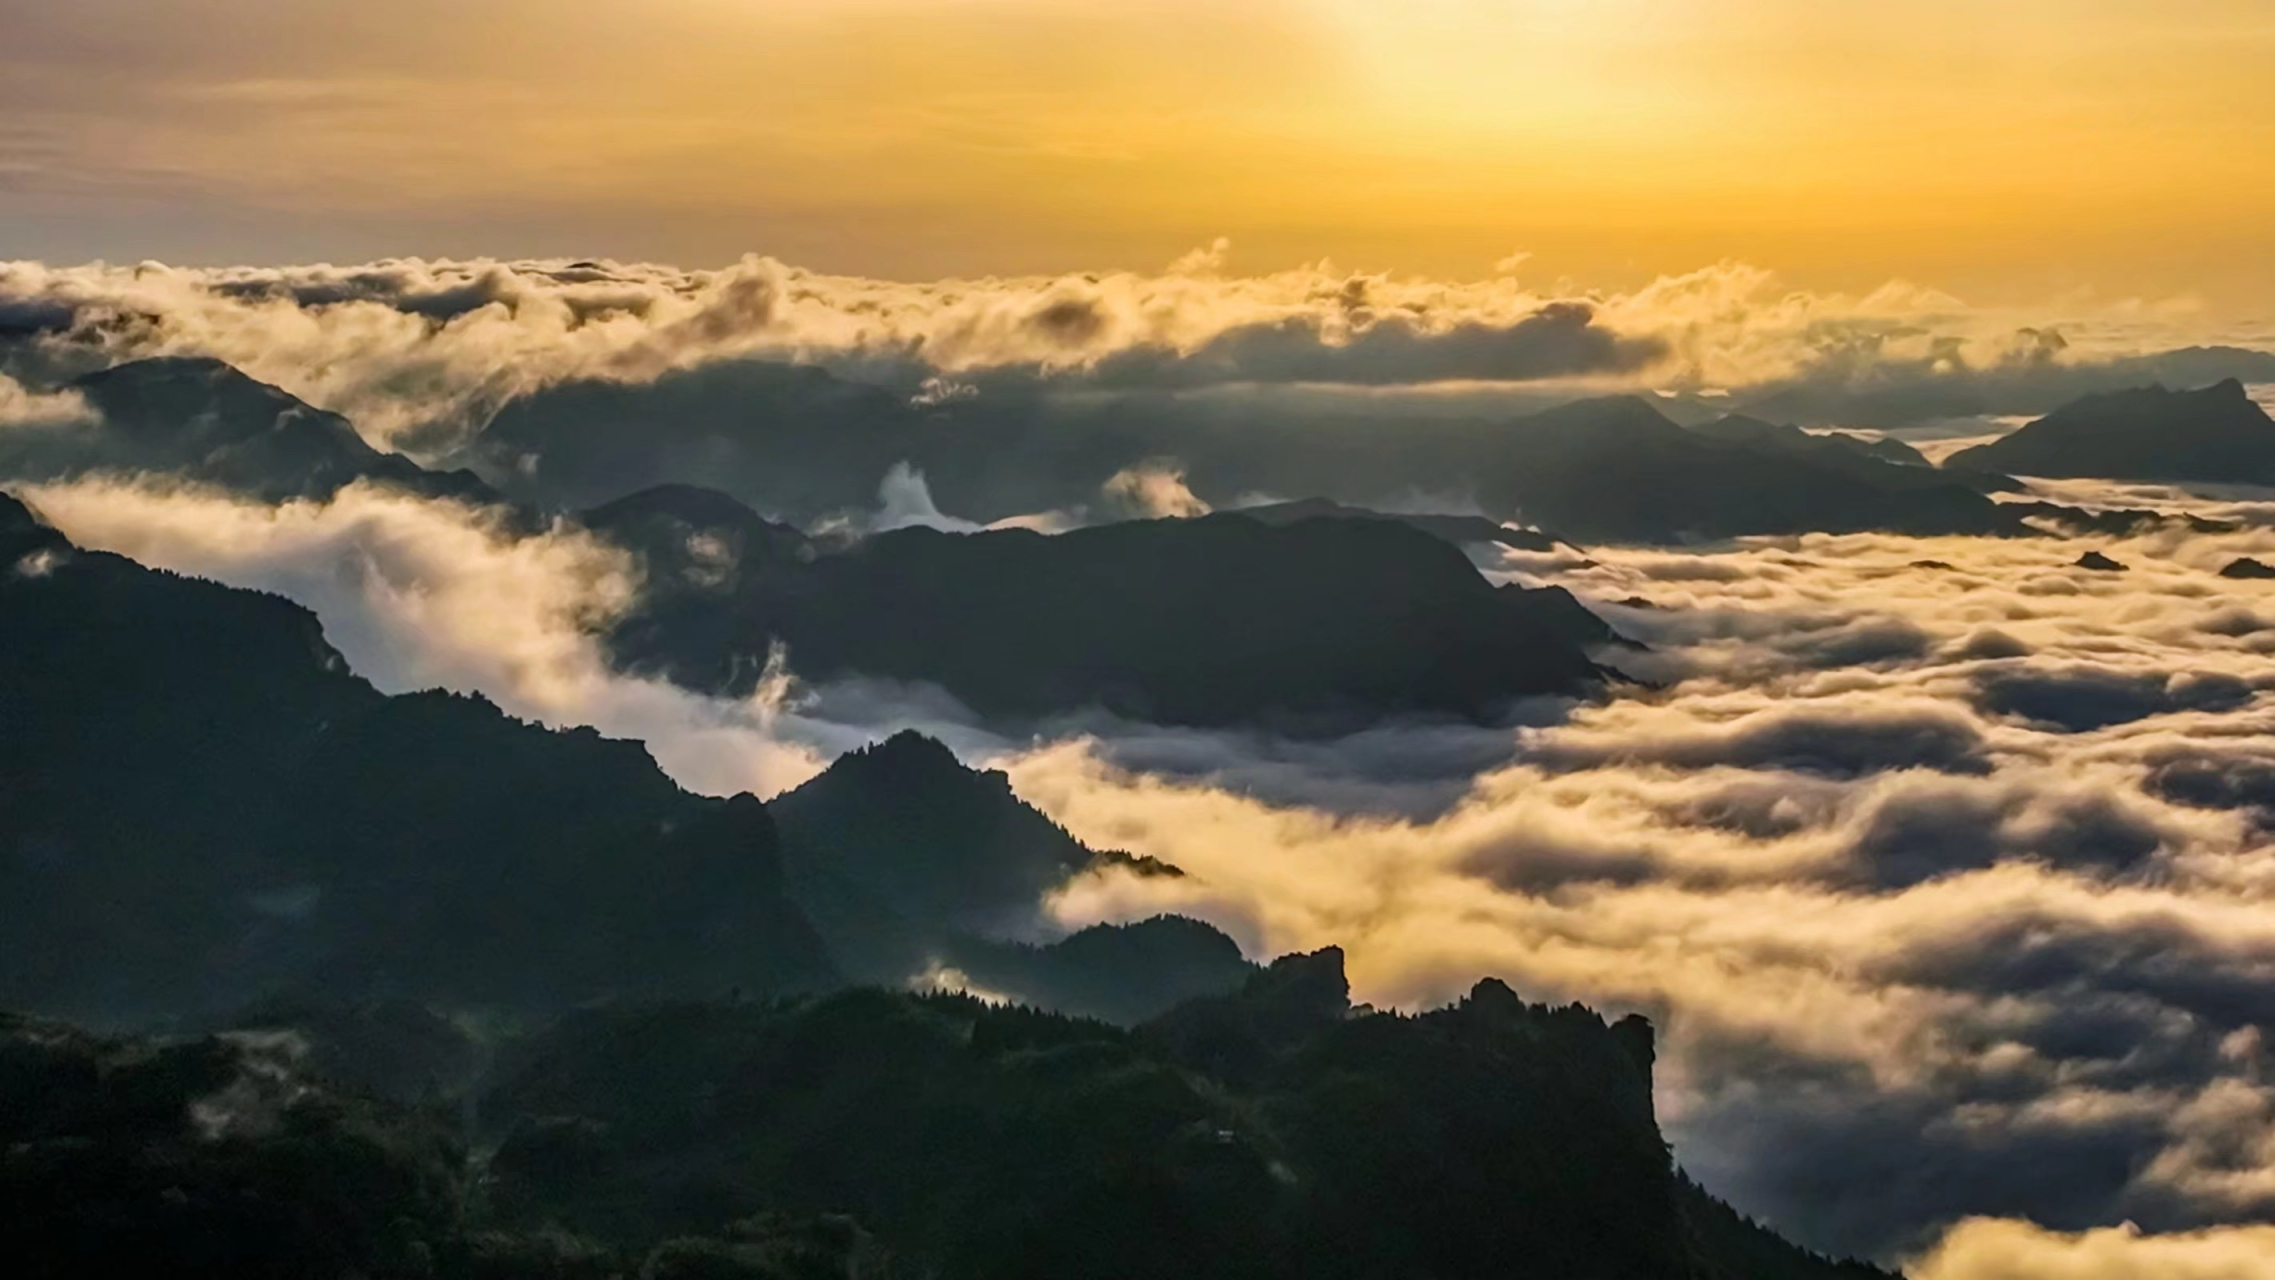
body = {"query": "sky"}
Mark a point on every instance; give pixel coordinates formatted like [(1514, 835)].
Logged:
[(2021, 148)]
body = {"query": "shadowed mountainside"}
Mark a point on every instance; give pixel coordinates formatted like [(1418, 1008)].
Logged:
[(909, 861), (1459, 530), (2214, 435), (801, 443), (199, 803), (1272, 1133), (204, 421), (1207, 621)]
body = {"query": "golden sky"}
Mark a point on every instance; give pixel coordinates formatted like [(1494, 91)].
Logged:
[(1994, 146)]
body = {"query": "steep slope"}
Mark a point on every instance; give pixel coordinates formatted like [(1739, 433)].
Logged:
[(898, 846), (2214, 435), (1216, 620), (912, 864), (199, 803)]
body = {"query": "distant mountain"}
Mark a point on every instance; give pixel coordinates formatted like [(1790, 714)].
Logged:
[(1618, 470), (1216, 620), (199, 804), (1740, 429), (1119, 973), (1890, 391), (202, 420), (784, 437), (2247, 567), (1459, 530), (2214, 435), (801, 443)]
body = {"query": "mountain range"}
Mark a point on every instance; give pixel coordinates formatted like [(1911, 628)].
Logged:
[(801, 443), (1272, 1131), (452, 995), (188, 826)]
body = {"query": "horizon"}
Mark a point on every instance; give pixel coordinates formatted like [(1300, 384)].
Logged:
[(2013, 153), (1408, 537)]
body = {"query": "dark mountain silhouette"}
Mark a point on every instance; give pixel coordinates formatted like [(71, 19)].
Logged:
[(877, 1135), (2099, 562), (202, 420), (1275, 1132), (234, 1157), (1119, 973), (200, 803), (787, 438), (1737, 428), (2246, 567), (1459, 530), (2115, 522), (1214, 620), (904, 858), (1886, 391), (801, 443), (2213, 435)]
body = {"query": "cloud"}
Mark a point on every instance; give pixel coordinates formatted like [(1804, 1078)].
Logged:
[(1151, 492), (1914, 957), (22, 407), (1989, 1249), (421, 352), (1367, 348), (420, 594), (1919, 953)]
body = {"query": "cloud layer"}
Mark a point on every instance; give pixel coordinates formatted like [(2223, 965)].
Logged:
[(422, 352), (1944, 865)]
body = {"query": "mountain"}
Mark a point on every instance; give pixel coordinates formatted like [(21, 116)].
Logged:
[(2247, 567), (1119, 973), (897, 848), (801, 443), (2115, 522), (1216, 620), (238, 1156), (779, 436), (1272, 1132), (877, 1134), (202, 420), (2215, 435), (200, 804), (1784, 438), (1617, 470), (1459, 530)]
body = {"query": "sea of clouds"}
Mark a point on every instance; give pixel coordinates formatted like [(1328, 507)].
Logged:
[(1944, 866)]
